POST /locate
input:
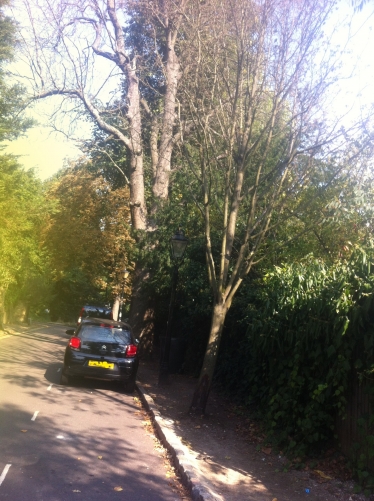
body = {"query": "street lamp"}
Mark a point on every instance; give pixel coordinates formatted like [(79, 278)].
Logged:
[(124, 273), (178, 246)]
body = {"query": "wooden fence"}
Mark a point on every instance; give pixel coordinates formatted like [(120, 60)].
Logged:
[(354, 427)]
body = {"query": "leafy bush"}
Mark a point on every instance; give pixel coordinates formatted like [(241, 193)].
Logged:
[(309, 325)]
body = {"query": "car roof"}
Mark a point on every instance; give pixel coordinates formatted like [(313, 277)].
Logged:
[(95, 307), (104, 321)]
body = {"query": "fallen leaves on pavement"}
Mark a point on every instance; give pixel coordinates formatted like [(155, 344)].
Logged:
[(266, 450)]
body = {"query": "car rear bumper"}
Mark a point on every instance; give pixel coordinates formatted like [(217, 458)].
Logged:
[(124, 370)]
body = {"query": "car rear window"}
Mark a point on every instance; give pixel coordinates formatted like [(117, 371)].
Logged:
[(96, 312), (105, 334)]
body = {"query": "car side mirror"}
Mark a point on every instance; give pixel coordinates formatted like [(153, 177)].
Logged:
[(70, 332)]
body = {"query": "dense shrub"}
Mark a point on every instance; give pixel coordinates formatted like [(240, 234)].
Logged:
[(309, 328)]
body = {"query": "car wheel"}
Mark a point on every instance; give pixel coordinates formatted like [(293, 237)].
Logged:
[(129, 386), (64, 379)]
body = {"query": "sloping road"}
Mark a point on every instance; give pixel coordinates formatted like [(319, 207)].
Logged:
[(58, 443)]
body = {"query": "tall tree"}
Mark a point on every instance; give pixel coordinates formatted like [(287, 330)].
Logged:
[(256, 93), (93, 222), (12, 102), (19, 191), (82, 51), (21, 215)]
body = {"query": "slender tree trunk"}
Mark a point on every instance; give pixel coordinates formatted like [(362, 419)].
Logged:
[(163, 168), (115, 308), (142, 311), (201, 394), (2, 308)]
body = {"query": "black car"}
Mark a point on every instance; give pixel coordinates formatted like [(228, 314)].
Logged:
[(101, 349), (95, 312)]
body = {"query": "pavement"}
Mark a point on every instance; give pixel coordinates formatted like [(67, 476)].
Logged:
[(184, 460)]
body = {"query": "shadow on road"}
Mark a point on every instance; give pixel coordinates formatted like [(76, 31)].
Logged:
[(53, 373)]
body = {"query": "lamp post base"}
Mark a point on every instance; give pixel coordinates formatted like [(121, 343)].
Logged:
[(163, 379)]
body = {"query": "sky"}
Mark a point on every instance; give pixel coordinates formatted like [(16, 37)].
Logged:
[(43, 150), (46, 150)]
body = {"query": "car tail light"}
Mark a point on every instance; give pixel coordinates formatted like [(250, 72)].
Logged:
[(131, 351), (75, 343)]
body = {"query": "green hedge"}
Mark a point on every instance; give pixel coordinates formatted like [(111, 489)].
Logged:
[(308, 326)]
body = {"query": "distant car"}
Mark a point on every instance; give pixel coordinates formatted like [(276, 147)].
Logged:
[(101, 349), (95, 312)]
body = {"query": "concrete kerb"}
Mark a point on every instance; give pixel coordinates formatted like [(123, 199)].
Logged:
[(9, 331), (184, 460), (19, 329)]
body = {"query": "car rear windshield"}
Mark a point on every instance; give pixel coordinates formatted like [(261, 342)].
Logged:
[(105, 334), (96, 312)]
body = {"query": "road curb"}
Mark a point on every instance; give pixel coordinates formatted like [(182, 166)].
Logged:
[(20, 329), (184, 461)]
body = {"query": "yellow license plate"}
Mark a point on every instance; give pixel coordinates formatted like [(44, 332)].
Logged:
[(100, 363)]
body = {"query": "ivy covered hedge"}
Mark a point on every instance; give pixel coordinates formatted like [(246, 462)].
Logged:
[(309, 330)]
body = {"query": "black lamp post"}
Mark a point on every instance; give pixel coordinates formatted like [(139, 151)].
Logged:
[(125, 274), (178, 246)]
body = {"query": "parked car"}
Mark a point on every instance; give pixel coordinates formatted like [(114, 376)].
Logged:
[(95, 312), (101, 349)]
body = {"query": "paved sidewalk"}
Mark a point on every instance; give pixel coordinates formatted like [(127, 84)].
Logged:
[(214, 459), (184, 459), (11, 330)]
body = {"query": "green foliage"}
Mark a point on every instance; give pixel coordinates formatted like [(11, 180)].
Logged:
[(22, 210), (7, 35), (12, 122), (70, 291), (308, 325), (192, 312), (88, 237), (21, 201)]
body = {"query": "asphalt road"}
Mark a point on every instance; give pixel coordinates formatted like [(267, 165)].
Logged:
[(82, 442)]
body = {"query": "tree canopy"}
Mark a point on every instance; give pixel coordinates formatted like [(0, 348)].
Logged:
[(88, 237), (21, 201)]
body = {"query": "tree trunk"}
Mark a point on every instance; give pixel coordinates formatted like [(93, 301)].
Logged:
[(115, 308), (200, 397), (2, 308), (162, 178), (142, 312)]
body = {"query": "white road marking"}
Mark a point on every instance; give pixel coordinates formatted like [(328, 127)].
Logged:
[(58, 370), (50, 387), (34, 416), (61, 437), (5, 471)]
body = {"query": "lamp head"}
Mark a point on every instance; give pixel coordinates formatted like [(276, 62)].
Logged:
[(178, 244)]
